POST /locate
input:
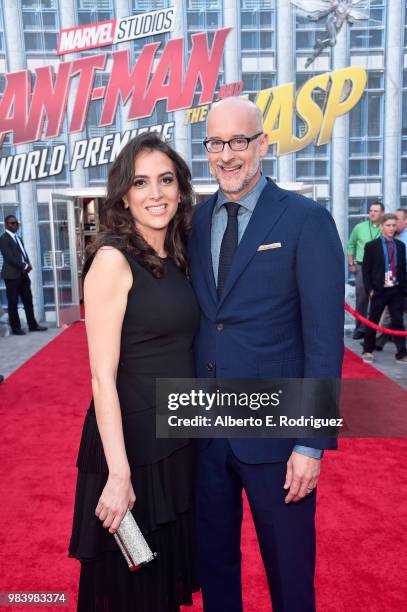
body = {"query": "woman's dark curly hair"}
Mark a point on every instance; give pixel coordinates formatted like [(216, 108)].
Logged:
[(117, 228)]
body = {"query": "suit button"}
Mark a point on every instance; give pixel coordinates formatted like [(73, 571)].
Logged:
[(219, 326), (210, 367)]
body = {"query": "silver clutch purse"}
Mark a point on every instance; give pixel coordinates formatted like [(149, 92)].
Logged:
[(132, 543)]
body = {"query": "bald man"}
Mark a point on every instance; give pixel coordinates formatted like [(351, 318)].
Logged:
[(268, 269)]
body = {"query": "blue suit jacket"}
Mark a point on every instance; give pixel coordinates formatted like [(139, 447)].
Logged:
[(281, 309)]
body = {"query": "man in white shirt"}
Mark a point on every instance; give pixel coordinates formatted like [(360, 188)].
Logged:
[(15, 271)]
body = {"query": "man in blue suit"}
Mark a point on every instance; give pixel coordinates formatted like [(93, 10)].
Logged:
[(268, 269)]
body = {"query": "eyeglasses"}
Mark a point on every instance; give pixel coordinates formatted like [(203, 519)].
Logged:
[(239, 143)]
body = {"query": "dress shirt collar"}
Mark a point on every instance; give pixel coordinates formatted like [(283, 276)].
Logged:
[(249, 200), (12, 235), (384, 240)]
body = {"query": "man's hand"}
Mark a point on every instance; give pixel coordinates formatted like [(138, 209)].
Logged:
[(302, 476), (351, 264)]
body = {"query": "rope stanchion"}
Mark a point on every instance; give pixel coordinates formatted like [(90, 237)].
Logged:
[(383, 330)]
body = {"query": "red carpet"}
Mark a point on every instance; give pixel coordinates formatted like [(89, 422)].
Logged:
[(362, 512)]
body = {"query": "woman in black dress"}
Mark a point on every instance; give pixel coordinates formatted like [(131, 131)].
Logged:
[(141, 316)]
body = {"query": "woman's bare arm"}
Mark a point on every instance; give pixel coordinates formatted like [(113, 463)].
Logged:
[(106, 289)]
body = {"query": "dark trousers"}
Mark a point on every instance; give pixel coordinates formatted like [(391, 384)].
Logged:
[(15, 288), (286, 533), (393, 298), (362, 299)]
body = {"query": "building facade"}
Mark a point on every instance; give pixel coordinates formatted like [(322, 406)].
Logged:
[(269, 44)]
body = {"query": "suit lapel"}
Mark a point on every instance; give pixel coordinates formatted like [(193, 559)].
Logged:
[(13, 243), (270, 206), (204, 237), (16, 246), (400, 256)]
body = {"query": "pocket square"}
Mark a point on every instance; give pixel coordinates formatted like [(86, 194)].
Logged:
[(266, 247)]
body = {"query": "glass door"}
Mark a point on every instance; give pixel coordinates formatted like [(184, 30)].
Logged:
[(63, 259)]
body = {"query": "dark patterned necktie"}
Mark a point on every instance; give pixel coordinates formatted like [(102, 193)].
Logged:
[(229, 245)]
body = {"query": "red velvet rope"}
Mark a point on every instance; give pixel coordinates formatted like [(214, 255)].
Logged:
[(383, 330)]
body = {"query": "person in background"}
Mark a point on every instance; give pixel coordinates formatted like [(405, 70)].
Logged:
[(401, 215), (401, 234), (15, 271), (361, 234), (384, 276)]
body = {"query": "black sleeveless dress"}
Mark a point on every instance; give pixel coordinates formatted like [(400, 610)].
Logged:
[(160, 321)]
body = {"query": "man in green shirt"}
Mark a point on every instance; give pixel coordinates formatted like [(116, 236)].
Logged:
[(361, 234)]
